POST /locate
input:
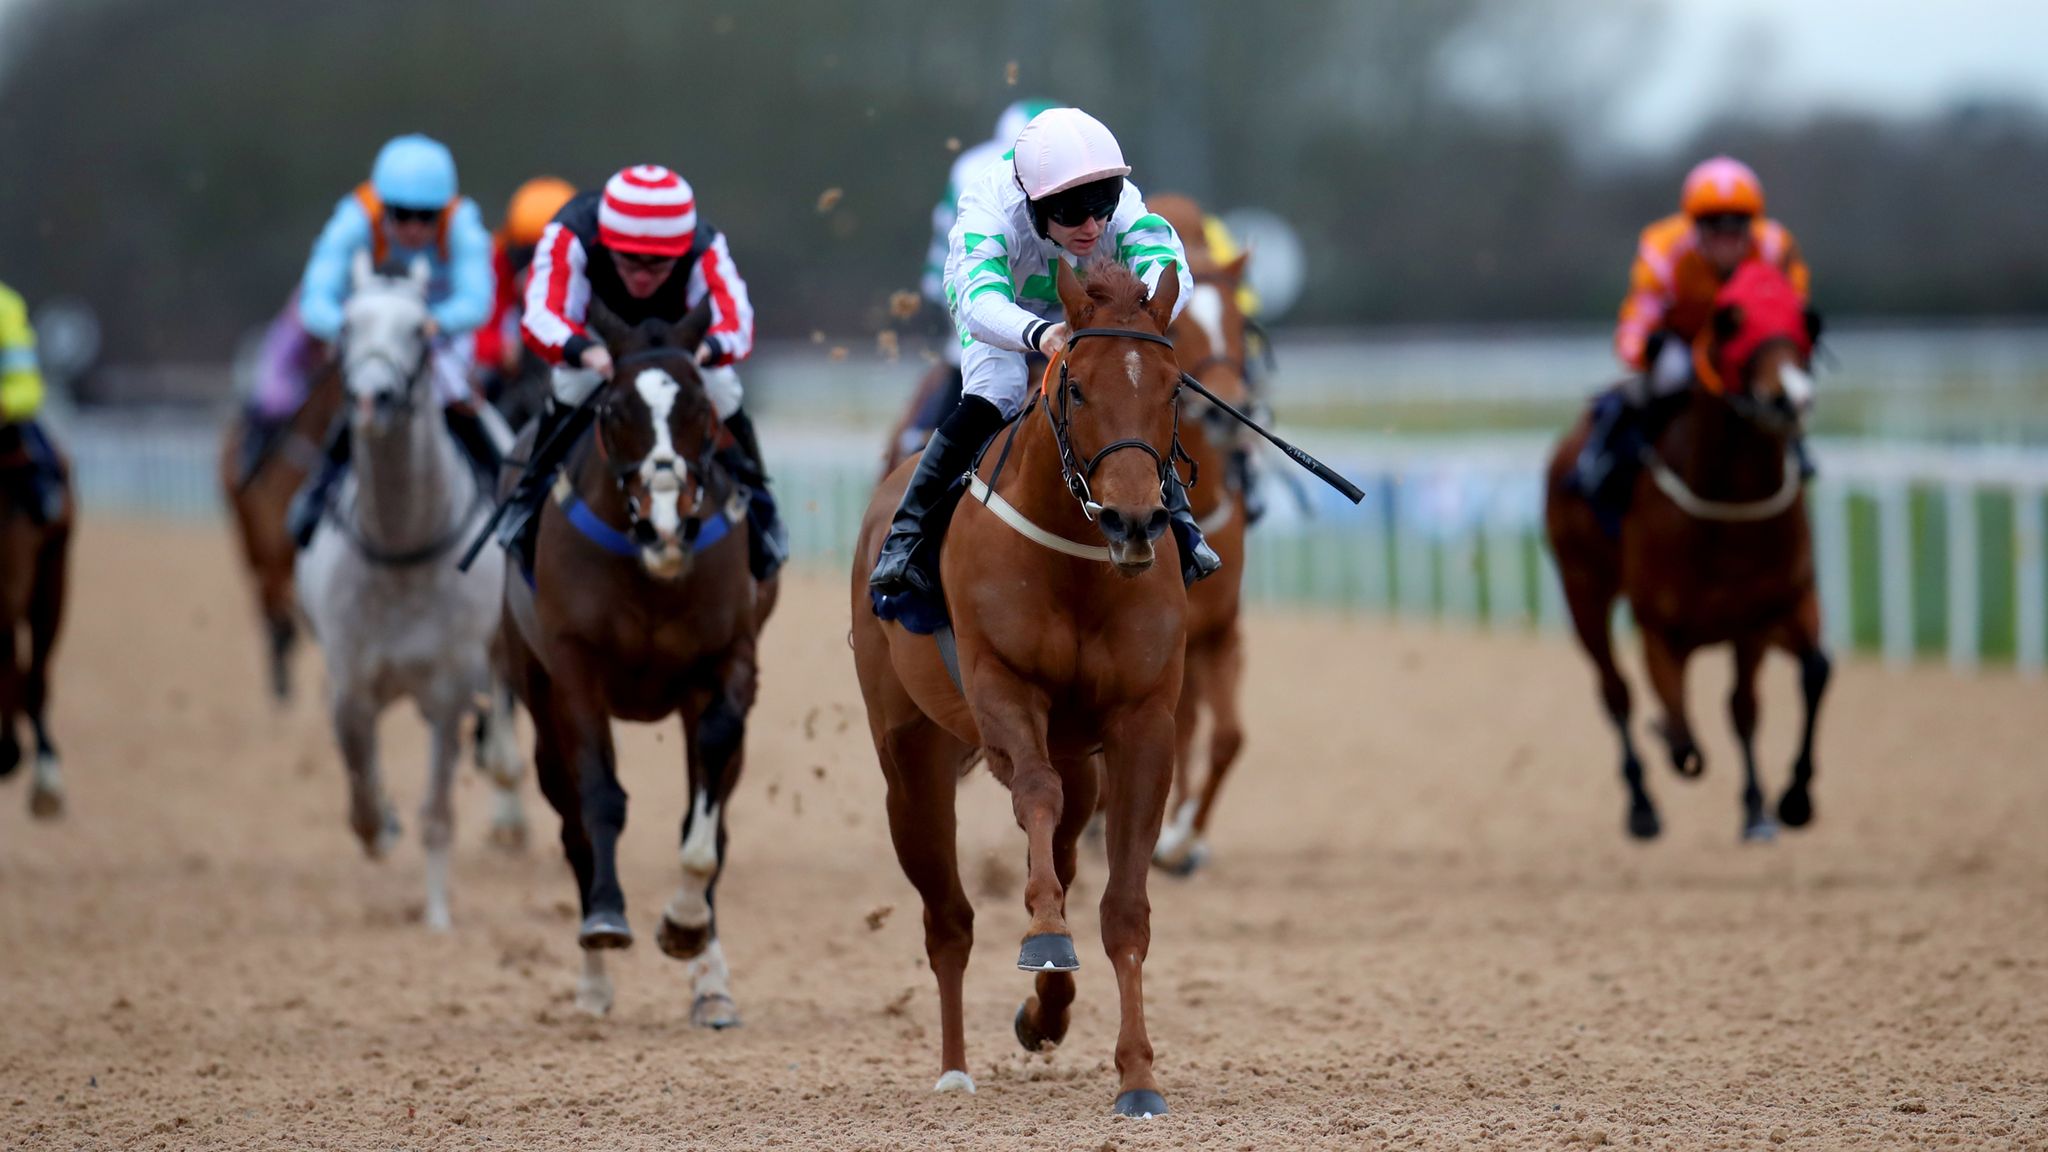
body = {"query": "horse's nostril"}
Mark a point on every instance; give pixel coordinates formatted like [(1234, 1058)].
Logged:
[(1155, 523), (1113, 524)]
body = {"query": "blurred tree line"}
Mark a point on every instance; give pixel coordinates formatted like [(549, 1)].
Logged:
[(170, 162)]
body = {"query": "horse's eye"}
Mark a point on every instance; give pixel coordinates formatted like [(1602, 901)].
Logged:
[(1074, 392)]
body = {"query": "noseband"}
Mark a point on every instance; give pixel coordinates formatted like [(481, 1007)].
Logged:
[(1059, 414), (640, 525)]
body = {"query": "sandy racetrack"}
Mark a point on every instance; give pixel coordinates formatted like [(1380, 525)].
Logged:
[(1423, 927)]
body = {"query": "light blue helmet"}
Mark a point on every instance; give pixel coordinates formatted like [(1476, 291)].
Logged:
[(415, 172), (1017, 115)]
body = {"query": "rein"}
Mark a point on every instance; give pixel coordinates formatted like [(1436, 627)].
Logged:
[(406, 401), (699, 531), (1073, 471)]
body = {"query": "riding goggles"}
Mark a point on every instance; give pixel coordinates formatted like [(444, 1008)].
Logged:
[(1724, 223), (1073, 207), (414, 215)]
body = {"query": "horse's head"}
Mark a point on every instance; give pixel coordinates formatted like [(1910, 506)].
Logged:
[(1759, 353), (384, 349), (1114, 406), (656, 432), (1209, 339)]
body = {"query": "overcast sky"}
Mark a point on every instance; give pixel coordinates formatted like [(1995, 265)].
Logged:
[(1896, 56), (1890, 56)]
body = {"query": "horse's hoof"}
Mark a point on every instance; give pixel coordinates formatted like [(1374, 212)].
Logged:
[(716, 1011), (1048, 952), (1761, 830), (1027, 1035), (1795, 808), (1141, 1104), (45, 803), (594, 998), (1689, 763), (605, 930), (955, 1081), (1643, 823), (1184, 863), (679, 942)]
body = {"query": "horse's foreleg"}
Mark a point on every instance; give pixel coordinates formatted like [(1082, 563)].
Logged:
[(1226, 733), (437, 811), (371, 816), (1138, 744), (1795, 807), (584, 732), (921, 765), (1012, 723), (10, 699), (497, 757), (1742, 710), (1590, 594), (1666, 663), (45, 619), (1042, 1019), (1175, 851)]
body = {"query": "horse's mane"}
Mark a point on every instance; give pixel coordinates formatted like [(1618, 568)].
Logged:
[(1115, 289)]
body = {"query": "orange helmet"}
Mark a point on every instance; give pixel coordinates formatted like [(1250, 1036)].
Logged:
[(1722, 186), (536, 203)]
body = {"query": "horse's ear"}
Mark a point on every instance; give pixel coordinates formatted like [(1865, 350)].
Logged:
[(1160, 304), (689, 332), (422, 273), (1234, 270), (360, 270), (1727, 322), (603, 321), (1073, 297), (1814, 325)]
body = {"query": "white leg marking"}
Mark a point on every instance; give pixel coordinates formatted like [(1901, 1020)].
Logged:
[(1174, 838), (711, 1002), (691, 905), (46, 793), (594, 987), (955, 1081), (438, 919)]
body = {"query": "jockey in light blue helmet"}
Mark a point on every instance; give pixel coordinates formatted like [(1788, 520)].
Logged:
[(410, 209)]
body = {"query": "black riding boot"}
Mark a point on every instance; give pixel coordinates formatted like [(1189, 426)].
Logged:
[(946, 458), (1804, 455), (468, 428), (559, 428), (44, 476), (768, 543), (1596, 466), (260, 437), (311, 502), (1197, 559)]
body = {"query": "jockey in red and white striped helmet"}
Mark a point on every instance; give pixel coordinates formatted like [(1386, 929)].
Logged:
[(639, 247)]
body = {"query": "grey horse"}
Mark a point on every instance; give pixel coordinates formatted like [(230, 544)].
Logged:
[(378, 582)]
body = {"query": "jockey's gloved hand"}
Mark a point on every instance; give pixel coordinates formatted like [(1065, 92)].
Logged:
[(714, 350)]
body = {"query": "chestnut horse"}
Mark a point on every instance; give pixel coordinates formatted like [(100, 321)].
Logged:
[(1714, 549), (34, 566), (640, 606), (1066, 650), (1209, 340), (259, 504)]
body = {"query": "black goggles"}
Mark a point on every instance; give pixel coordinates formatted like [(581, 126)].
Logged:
[(414, 215), (1096, 200), (1724, 223)]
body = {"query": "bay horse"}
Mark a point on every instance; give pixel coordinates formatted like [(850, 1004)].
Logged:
[(259, 502), (378, 583), (1714, 548), (640, 606), (1209, 341), (1065, 651), (34, 569)]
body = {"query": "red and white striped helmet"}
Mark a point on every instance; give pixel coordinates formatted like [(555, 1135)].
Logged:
[(648, 210)]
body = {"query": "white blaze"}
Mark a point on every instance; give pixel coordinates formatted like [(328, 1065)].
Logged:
[(661, 470), (1798, 386), (1206, 306)]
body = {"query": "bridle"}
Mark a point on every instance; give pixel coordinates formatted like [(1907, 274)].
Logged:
[(640, 525), (1075, 472)]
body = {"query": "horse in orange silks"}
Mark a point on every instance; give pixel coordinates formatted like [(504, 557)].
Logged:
[(1714, 547)]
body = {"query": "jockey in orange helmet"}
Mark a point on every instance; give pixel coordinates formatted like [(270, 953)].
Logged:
[(1681, 263), (532, 206)]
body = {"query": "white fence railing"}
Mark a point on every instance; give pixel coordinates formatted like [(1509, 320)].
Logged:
[(1922, 551)]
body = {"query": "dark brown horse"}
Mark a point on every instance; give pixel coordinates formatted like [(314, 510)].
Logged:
[(1070, 642), (34, 563), (641, 607), (1714, 549), (1209, 340), (259, 504)]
